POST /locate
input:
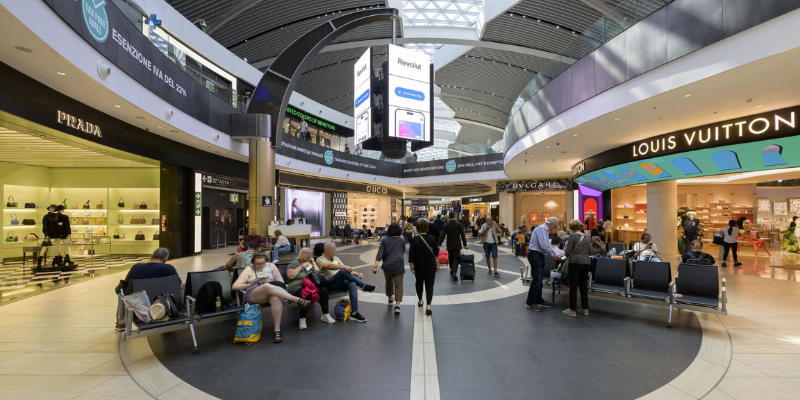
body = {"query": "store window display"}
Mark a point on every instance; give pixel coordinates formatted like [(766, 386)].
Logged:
[(56, 227)]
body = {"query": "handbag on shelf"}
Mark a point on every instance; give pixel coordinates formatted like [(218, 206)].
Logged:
[(74, 213), (101, 221), (154, 221), (156, 235), (81, 250), (11, 237), (120, 220), (89, 229), (85, 221), (101, 230), (31, 237), (74, 221), (31, 205), (73, 206), (14, 219), (100, 206), (142, 220), (121, 203), (87, 206), (87, 213), (139, 236), (28, 221), (155, 205), (133, 220), (74, 229), (143, 206), (135, 205), (90, 252), (116, 234), (122, 234), (11, 203), (102, 213)]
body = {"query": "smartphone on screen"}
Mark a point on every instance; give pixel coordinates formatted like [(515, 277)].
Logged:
[(409, 124), (362, 127)]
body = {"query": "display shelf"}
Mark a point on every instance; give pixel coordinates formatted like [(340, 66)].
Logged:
[(138, 226), (14, 210), (18, 226), (136, 209)]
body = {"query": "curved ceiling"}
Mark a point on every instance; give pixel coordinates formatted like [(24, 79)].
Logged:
[(480, 85)]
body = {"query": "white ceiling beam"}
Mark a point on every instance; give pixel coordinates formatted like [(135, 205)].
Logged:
[(468, 122)]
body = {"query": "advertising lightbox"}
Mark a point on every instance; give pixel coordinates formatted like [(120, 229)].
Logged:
[(409, 94), (306, 207), (362, 114)]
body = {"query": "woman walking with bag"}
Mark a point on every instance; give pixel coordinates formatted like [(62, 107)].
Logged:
[(578, 262), (391, 252), (422, 259)]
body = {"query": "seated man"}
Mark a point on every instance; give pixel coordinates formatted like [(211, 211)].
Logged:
[(696, 255), (341, 276), (156, 268), (253, 237), (646, 250), (242, 259)]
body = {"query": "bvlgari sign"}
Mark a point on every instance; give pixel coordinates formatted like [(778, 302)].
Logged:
[(79, 124), (751, 128)]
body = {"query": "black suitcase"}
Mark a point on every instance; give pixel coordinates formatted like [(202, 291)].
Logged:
[(521, 250), (466, 263)]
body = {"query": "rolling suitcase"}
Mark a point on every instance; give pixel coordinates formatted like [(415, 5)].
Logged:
[(521, 250), (466, 263)]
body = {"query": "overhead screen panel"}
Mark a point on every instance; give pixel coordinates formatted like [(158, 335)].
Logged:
[(362, 92), (409, 94)]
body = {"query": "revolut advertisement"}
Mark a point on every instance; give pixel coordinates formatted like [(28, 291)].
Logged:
[(306, 204), (362, 92), (409, 94)]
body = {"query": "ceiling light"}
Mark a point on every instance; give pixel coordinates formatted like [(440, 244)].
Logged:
[(60, 73), (117, 105), (687, 95), (659, 119), (759, 106), (616, 119), (159, 127)]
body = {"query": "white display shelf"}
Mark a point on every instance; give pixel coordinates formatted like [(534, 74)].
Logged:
[(20, 209), (85, 209), (139, 226), (18, 226), (137, 209)]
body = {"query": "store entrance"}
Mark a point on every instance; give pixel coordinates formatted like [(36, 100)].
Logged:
[(368, 209)]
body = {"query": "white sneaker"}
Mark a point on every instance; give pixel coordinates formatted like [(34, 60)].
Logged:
[(327, 319), (303, 325)]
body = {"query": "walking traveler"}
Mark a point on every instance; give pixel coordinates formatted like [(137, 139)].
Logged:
[(453, 235), (730, 238), (391, 253), (608, 230), (422, 259), (490, 235), (578, 253), (538, 249)]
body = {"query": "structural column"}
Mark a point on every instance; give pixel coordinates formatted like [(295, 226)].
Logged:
[(262, 183), (662, 216)]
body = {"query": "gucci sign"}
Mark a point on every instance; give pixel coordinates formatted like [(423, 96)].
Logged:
[(377, 189)]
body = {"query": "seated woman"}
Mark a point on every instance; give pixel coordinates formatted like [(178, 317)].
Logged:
[(282, 245), (298, 270), (264, 285), (696, 255), (646, 250), (598, 247), (242, 246)]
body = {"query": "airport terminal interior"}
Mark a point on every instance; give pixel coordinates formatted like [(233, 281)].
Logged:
[(400, 199)]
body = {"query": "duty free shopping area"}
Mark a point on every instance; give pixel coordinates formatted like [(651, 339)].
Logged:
[(460, 199)]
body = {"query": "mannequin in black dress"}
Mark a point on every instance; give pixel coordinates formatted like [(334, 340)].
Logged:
[(56, 226)]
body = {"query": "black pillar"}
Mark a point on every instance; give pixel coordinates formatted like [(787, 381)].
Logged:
[(177, 204)]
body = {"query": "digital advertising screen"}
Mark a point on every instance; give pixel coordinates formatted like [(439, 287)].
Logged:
[(306, 204), (409, 94), (363, 111)]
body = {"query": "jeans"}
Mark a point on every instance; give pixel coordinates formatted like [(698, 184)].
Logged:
[(536, 259), (490, 250), (278, 250), (343, 279), (649, 258), (579, 279)]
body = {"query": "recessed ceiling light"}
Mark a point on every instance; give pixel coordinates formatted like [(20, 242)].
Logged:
[(60, 73), (159, 127), (574, 135), (687, 95), (659, 119), (759, 106), (117, 105), (25, 49), (616, 119)]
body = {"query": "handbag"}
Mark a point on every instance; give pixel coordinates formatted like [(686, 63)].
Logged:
[(154, 221), (121, 234), (101, 230), (85, 221), (438, 264), (317, 278), (14, 220), (73, 206), (11, 203), (100, 206), (28, 221), (142, 220), (87, 213), (86, 206), (31, 237), (101, 221), (81, 250), (89, 229), (155, 205), (102, 213), (74, 221), (74, 213), (135, 205), (121, 203), (133, 220), (156, 236), (143, 206), (11, 237), (718, 239), (565, 264), (46, 242), (120, 220), (74, 229), (31, 205), (139, 236)]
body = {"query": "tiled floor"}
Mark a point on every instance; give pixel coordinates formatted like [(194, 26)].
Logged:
[(60, 344)]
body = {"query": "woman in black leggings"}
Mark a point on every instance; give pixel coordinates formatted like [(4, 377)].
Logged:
[(422, 255), (730, 237)]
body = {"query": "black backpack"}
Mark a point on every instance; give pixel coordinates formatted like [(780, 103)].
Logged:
[(170, 306), (207, 297)]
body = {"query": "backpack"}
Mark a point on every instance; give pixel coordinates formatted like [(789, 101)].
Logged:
[(248, 325), (342, 310), (207, 297), (697, 260)]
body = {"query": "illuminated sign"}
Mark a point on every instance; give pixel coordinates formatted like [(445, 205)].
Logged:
[(79, 124), (409, 91), (362, 111), (377, 189), (532, 185), (319, 122)]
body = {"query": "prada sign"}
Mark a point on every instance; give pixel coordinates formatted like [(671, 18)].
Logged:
[(79, 124), (532, 185), (753, 128)]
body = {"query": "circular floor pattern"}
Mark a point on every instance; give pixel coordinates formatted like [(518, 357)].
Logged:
[(483, 349)]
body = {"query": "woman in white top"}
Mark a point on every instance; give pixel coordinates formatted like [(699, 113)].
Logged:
[(608, 230), (282, 245), (264, 284), (646, 250), (730, 237)]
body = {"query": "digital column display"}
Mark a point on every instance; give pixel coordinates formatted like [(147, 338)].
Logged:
[(409, 94), (362, 92)]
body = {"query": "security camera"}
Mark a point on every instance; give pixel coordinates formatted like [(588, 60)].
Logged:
[(200, 23), (103, 69), (168, 112)]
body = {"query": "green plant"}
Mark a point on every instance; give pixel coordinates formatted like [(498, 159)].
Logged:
[(789, 242), (683, 215)]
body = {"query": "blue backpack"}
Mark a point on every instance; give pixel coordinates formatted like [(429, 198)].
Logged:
[(342, 310), (248, 325)]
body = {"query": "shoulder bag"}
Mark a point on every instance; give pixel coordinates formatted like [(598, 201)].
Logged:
[(133, 220), (154, 221), (100, 206), (121, 234), (31, 205), (121, 203), (86, 205), (116, 234), (28, 221), (135, 205), (438, 265), (155, 205), (31, 237), (143, 206), (120, 220), (156, 235), (565, 264), (74, 213), (317, 278), (11, 203), (14, 220), (11, 237), (139, 236), (73, 206)]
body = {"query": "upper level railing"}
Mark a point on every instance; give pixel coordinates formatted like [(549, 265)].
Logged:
[(612, 24)]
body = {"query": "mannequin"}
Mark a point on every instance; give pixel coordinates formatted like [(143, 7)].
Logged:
[(690, 228), (55, 225)]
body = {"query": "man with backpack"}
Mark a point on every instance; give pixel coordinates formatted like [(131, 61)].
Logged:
[(156, 268)]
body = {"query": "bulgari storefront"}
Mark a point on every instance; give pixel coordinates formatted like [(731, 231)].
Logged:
[(529, 203)]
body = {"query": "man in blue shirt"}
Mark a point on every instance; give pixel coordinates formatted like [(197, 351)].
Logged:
[(156, 268), (538, 249), (439, 222)]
